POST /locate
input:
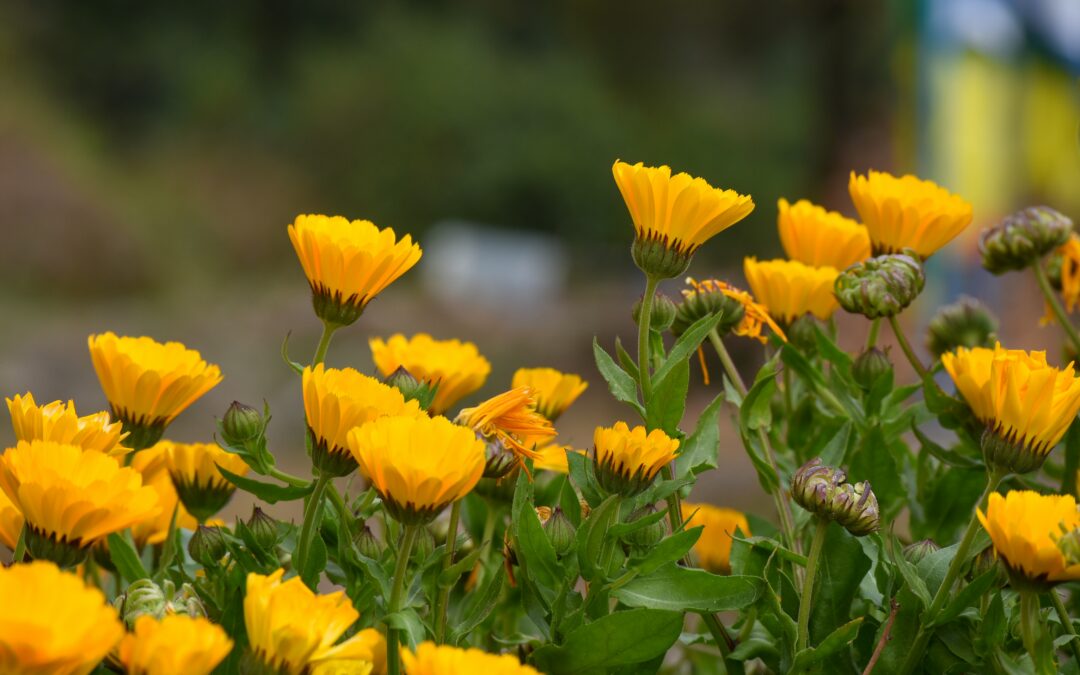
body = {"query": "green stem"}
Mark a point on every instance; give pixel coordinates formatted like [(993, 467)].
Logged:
[(720, 638), (443, 599), (805, 604), (1066, 623), (906, 347), (284, 477), (875, 328), (674, 503), (1055, 304), (312, 509), (393, 653), (324, 343), (1031, 631), (644, 317), (607, 552)]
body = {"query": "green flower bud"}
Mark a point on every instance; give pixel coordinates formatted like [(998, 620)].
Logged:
[(500, 459), (661, 315), (411, 388), (367, 544), (965, 323), (646, 537), (802, 334), (701, 303), (241, 424), (985, 561), (916, 552), (424, 545), (263, 529), (657, 259), (145, 598), (1023, 238), (869, 367), (561, 532), (207, 546), (823, 491), (855, 506), (881, 286)]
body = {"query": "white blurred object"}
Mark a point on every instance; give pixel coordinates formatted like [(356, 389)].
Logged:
[(492, 269)]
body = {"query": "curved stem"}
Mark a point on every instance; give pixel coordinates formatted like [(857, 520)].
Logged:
[(875, 328), (803, 639), (312, 509), (393, 653), (285, 477), (906, 347), (441, 603), (644, 317), (1055, 304), (1066, 622), (324, 343)]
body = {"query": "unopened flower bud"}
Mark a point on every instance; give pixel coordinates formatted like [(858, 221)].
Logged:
[(917, 551), (704, 302), (985, 561), (263, 529), (424, 545), (823, 491), (561, 532), (648, 536), (1023, 238), (881, 286), (658, 259), (145, 598), (411, 388), (855, 506), (661, 314), (870, 366), (207, 546), (500, 460), (241, 424), (965, 323), (367, 544), (802, 333)]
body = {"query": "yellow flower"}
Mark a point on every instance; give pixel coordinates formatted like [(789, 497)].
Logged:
[(292, 629), (821, 238), (58, 422), (70, 498), (755, 314), (1024, 402), (627, 460), (510, 419), (149, 383), (335, 401), (456, 367), (152, 463), (1069, 253), (552, 457), (791, 289), (52, 622), (347, 263), (418, 465), (177, 643), (907, 212), (11, 522), (193, 467), (376, 644), (554, 390), (343, 667), (433, 659), (1025, 527), (674, 215), (713, 549)]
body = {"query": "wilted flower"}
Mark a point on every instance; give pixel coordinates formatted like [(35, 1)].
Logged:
[(59, 423), (193, 467), (881, 286), (1023, 238), (433, 659), (965, 323), (825, 492), (821, 238), (1026, 527), (455, 367), (175, 644), (742, 314), (791, 289), (511, 420), (553, 390), (627, 460), (713, 548)]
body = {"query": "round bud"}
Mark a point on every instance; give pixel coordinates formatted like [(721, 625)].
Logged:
[(1023, 238), (698, 304), (561, 532), (367, 544), (411, 388), (207, 546), (802, 334), (424, 545), (661, 315), (648, 536), (870, 366), (917, 551), (241, 424), (263, 529), (823, 491), (881, 286), (965, 323)]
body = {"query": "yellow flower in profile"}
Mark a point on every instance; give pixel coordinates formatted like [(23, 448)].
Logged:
[(52, 622), (554, 390), (713, 548), (674, 215), (1025, 527), (433, 659), (791, 289), (71, 499), (58, 422), (821, 238), (627, 460), (149, 383), (552, 457), (11, 522), (907, 212), (177, 643), (510, 419), (152, 463), (1025, 404), (291, 629), (335, 401), (418, 465), (755, 315), (193, 467), (455, 367)]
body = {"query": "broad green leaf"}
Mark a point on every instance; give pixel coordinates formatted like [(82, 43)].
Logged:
[(687, 344), (125, 559), (315, 562), (478, 605), (537, 554), (829, 647), (408, 622), (450, 575), (667, 551), (667, 403), (699, 452), (686, 589), (623, 529), (623, 387), (968, 596), (267, 492), (625, 360), (841, 568), (612, 642), (590, 538)]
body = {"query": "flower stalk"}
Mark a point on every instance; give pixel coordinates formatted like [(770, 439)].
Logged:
[(820, 530), (1055, 304), (397, 591), (644, 321), (916, 363), (1066, 622), (312, 512), (443, 599)]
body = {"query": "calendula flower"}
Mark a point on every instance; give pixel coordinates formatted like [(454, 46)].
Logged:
[(291, 630), (53, 622), (907, 212), (713, 548), (347, 263), (627, 460), (1025, 528), (553, 390), (552, 457), (71, 499), (456, 368), (751, 316), (193, 467), (58, 422), (175, 644), (791, 289), (335, 401), (418, 465), (152, 463), (433, 659), (674, 215), (1068, 276), (11, 522), (149, 383), (821, 238), (510, 419), (1025, 404)]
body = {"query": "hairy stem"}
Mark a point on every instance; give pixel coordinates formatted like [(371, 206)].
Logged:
[(644, 317), (906, 347), (393, 635), (440, 609), (805, 604), (312, 510), (1055, 304), (1066, 623)]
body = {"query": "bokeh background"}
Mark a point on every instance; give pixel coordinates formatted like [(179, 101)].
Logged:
[(152, 154)]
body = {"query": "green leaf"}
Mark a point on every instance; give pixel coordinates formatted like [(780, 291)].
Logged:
[(691, 590), (667, 551), (408, 622), (590, 538), (951, 457), (686, 345), (968, 596), (125, 559), (315, 562), (623, 529), (479, 605), (699, 452), (538, 555), (267, 492), (830, 646), (667, 403), (450, 575), (756, 410), (623, 387), (835, 451), (625, 360), (841, 569), (611, 642), (1072, 460), (298, 368)]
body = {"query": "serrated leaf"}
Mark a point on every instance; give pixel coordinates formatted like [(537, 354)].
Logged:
[(667, 403), (623, 387), (699, 452), (686, 345)]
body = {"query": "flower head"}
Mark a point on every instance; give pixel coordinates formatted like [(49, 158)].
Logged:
[(1023, 238), (1026, 527), (907, 212), (418, 465), (71, 499), (713, 548), (881, 286), (58, 422), (455, 367), (821, 238), (964, 323), (510, 419), (335, 401), (1025, 404), (674, 215), (149, 383), (552, 457), (554, 390), (347, 263), (825, 492), (193, 467), (790, 289), (53, 622), (433, 659), (751, 315), (175, 644), (627, 460), (291, 629), (152, 463), (1067, 277)]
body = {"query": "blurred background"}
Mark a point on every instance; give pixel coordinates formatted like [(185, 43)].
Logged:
[(152, 155)]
